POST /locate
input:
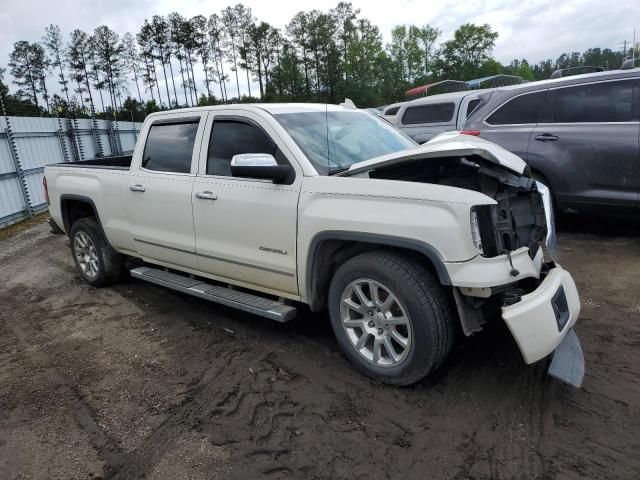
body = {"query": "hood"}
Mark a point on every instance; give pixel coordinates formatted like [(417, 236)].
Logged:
[(449, 144)]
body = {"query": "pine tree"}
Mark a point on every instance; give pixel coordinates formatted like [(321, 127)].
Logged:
[(27, 64), (54, 43)]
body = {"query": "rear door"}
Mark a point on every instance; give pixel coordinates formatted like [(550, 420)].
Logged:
[(587, 145), (511, 124), (160, 189), (246, 228)]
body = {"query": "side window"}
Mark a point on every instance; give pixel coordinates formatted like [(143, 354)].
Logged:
[(391, 111), (520, 110), (597, 102), (431, 113), (232, 137), (169, 147), (472, 106)]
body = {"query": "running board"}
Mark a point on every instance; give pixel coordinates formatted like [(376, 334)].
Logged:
[(246, 302)]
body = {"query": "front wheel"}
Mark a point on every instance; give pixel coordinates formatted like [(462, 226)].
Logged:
[(391, 317), (97, 262)]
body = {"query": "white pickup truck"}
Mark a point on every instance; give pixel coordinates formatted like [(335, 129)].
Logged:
[(263, 207)]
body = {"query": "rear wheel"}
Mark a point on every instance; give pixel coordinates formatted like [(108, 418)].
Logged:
[(97, 262), (391, 317)]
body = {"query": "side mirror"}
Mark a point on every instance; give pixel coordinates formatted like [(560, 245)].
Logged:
[(259, 165)]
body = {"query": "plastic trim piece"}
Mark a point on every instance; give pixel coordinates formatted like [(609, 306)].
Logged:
[(377, 239)]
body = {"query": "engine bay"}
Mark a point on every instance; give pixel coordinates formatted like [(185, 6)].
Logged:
[(518, 219)]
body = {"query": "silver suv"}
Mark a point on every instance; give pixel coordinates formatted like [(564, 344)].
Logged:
[(580, 135)]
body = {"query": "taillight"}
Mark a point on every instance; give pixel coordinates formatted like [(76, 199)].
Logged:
[(46, 190), (475, 133)]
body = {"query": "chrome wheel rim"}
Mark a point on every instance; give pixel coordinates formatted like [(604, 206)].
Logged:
[(376, 323), (86, 254)]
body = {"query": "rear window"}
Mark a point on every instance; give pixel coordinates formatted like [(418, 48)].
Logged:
[(472, 106), (519, 110), (597, 102), (432, 113), (392, 111), (169, 147)]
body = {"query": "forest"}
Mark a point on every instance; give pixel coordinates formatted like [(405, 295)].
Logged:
[(319, 56)]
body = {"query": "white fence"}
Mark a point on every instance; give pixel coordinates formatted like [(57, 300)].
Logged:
[(27, 144)]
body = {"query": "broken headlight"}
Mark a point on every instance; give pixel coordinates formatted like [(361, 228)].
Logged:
[(550, 241), (475, 230)]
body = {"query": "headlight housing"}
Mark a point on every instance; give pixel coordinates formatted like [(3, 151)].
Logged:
[(551, 240), (475, 230)]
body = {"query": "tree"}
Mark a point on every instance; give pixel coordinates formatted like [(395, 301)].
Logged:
[(345, 17), (160, 38), (463, 56), (244, 23), (214, 32), (406, 53), (146, 43), (202, 48), (99, 83), (230, 40), (4, 90), (291, 82), (298, 31), (134, 110), (176, 22), (109, 53), (427, 37), (365, 55), (28, 63), (519, 68), (78, 52), (54, 43), (131, 59), (190, 45)]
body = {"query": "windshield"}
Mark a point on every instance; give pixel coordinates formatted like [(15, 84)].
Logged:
[(333, 141)]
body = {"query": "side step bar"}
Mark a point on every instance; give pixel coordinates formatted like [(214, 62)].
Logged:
[(246, 302)]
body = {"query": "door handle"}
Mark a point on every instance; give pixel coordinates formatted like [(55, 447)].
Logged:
[(136, 188), (547, 137), (206, 195)]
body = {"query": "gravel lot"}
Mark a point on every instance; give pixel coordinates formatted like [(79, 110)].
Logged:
[(137, 381)]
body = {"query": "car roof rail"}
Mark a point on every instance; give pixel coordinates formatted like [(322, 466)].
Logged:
[(567, 72), (629, 63)]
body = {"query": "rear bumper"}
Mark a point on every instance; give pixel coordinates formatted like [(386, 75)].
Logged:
[(542, 318)]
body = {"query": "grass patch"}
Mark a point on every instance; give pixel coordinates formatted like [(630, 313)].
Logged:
[(18, 227)]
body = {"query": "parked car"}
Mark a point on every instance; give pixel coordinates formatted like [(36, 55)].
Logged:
[(424, 118), (389, 112), (579, 134), (262, 207)]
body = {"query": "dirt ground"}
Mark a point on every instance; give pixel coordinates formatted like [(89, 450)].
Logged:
[(135, 381)]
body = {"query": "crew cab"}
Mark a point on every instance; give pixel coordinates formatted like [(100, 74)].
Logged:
[(266, 207)]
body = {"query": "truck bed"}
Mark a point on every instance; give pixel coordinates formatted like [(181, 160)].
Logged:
[(122, 162)]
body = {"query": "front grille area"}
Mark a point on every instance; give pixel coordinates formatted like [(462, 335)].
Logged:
[(518, 220)]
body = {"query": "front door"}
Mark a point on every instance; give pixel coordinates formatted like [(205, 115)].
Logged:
[(587, 147), (245, 228), (160, 191)]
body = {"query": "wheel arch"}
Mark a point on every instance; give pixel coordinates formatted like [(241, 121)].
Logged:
[(75, 207), (329, 249)]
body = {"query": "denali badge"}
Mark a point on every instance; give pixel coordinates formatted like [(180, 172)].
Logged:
[(273, 250)]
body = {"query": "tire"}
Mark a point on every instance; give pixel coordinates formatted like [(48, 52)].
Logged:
[(97, 262), (419, 299)]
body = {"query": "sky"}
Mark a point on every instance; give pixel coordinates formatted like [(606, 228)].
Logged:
[(531, 29)]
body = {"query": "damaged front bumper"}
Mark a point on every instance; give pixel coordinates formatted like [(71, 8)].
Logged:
[(542, 321)]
